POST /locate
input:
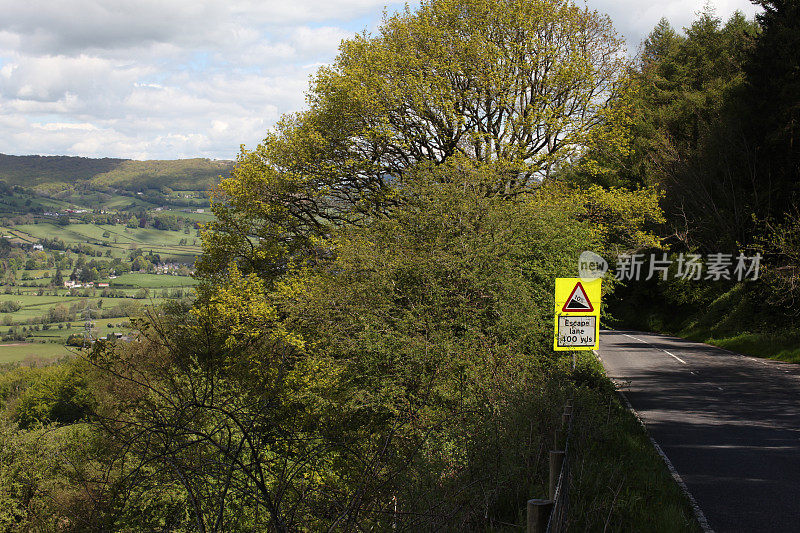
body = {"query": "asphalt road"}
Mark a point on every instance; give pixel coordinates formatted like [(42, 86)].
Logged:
[(729, 424)]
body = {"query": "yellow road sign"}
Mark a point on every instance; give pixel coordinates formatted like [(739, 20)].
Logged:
[(577, 314)]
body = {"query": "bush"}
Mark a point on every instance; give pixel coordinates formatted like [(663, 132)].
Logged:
[(55, 394), (9, 306)]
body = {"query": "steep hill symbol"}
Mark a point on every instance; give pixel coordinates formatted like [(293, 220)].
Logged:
[(578, 301)]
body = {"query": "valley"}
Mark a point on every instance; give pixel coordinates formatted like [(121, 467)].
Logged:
[(87, 245)]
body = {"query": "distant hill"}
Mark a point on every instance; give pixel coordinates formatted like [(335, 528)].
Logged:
[(30, 170), (179, 174)]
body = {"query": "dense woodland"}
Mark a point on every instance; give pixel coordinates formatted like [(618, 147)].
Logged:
[(51, 173), (714, 128), (370, 345)]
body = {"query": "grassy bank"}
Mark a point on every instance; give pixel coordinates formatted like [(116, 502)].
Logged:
[(739, 317), (619, 483), (779, 345)]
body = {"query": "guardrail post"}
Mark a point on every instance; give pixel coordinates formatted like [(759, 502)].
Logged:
[(556, 462), (538, 515)]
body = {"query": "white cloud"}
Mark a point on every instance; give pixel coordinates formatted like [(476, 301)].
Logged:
[(51, 78), (182, 78), (634, 19)]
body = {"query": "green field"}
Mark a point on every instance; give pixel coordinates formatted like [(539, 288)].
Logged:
[(16, 352), (153, 281), (196, 217), (101, 329), (120, 240), (156, 194), (119, 202)]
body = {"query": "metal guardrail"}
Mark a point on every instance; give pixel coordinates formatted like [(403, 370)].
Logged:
[(550, 515)]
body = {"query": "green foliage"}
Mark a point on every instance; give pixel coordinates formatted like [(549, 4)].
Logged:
[(373, 327), (45, 465), (377, 277), (682, 112), (42, 478), (181, 174), (713, 128), (519, 86), (744, 317), (33, 169), (10, 306), (782, 244), (410, 358), (57, 394)]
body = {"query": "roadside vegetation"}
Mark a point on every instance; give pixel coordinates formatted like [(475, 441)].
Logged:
[(746, 318), (619, 482)]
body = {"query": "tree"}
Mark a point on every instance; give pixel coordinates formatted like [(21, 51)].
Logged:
[(661, 44), (519, 85), (140, 264), (773, 95), (392, 369), (688, 133), (376, 304), (88, 274)]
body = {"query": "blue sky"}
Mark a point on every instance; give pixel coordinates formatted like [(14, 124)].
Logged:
[(165, 79)]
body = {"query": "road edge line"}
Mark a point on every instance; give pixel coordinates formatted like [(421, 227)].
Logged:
[(698, 513)]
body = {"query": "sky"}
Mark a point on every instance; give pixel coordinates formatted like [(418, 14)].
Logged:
[(168, 79)]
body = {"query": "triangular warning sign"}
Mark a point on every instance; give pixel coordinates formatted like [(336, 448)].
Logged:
[(578, 301)]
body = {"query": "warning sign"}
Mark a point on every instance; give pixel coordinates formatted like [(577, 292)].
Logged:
[(578, 301), (577, 314)]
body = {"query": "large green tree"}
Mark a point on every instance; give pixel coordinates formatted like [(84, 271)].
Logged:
[(374, 325), (518, 85), (407, 368)]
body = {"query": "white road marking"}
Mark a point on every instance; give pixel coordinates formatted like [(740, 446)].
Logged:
[(656, 347), (673, 355)]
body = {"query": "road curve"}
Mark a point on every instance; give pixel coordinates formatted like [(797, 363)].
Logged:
[(729, 424)]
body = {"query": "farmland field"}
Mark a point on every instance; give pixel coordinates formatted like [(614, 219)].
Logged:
[(153, 281), (17, 352)]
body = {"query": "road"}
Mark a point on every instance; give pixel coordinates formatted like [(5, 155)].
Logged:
[(729, 424)]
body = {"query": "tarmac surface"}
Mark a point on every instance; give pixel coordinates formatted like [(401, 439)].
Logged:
[(729, 424)]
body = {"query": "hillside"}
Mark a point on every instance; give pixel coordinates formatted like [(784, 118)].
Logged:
[(29, 170), (44, 171), (180, 174)]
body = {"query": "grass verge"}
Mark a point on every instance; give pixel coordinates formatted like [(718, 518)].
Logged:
[(778, 345), (619, 482)]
